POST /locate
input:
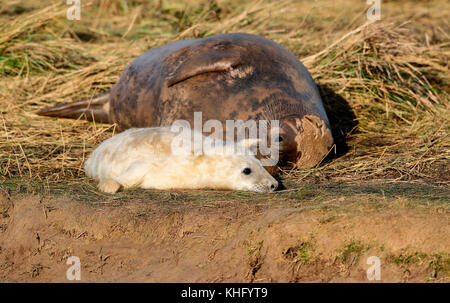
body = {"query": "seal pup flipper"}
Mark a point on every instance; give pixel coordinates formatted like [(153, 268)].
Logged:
[(133, 175), (218, 61), (93, 109), (109, 186)]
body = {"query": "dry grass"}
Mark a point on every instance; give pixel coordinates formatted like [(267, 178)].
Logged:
[(385, 84)]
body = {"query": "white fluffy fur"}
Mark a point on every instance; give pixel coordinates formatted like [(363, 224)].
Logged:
[(144, 158)]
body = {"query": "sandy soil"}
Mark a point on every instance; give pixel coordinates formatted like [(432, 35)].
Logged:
[(173, 241)]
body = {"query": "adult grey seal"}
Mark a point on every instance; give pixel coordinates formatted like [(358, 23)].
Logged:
[(226, 77)]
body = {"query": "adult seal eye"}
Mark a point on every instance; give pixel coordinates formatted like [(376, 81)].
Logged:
[(247, 171), (280, 139)]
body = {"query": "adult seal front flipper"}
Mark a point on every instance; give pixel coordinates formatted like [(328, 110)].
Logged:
[(216, 61)]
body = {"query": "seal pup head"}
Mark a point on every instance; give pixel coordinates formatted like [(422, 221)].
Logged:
[(246, 173), (235, 167)]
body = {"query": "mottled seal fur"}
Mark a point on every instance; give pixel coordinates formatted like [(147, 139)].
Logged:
[(227, 76), (148, 158)]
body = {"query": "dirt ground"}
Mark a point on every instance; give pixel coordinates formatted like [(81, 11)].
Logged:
[(314, 235)]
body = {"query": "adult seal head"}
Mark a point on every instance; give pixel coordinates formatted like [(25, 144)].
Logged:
[(226, 77)]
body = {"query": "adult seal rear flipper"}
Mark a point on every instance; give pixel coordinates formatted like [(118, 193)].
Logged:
[(95, 108)]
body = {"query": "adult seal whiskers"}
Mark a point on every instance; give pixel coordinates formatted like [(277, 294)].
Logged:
[(226, 77)]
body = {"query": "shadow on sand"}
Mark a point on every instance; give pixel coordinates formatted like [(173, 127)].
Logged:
[(341, 117)]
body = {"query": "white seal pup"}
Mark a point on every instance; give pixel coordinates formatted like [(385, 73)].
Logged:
[(146, 158)]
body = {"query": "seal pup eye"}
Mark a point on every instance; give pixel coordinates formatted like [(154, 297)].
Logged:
[(247, 171), (280, 139)]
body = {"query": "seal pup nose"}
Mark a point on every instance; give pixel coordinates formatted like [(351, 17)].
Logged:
[(273, 185)]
